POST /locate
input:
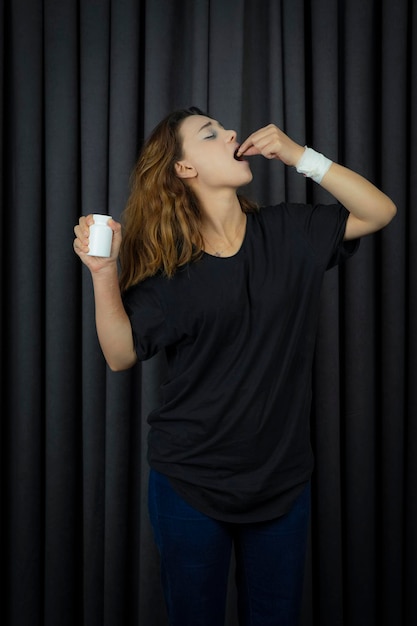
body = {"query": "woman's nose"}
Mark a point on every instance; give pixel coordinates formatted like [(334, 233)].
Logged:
[(232, 134)]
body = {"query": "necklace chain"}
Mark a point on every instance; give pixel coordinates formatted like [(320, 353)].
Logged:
[(218, 253)]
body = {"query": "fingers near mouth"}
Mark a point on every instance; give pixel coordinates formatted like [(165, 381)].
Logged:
[(238, 158)]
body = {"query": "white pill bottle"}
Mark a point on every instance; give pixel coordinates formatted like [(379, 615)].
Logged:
[(100, 236)]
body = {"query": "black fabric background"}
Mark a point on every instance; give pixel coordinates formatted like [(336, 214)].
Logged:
[(81, 84)]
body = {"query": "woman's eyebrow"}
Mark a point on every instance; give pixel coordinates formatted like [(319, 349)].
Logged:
[(210, 123)]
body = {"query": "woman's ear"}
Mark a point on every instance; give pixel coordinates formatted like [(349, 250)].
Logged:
[(184, 169)]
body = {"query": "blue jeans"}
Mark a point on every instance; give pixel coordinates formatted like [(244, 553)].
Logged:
[(195, 555)]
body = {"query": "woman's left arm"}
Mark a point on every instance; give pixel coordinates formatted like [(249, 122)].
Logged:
[(370, 209)]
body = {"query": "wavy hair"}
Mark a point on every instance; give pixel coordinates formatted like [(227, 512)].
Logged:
[(162, 218)]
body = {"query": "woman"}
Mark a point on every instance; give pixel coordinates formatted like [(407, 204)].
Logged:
[(231, 293)]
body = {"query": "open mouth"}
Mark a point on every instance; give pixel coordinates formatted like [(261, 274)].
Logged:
[(238, 158)]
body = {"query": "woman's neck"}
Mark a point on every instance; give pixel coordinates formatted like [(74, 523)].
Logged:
[(223, 229), (222, 216)]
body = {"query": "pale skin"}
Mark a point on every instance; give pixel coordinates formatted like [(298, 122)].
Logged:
[(209, 167)]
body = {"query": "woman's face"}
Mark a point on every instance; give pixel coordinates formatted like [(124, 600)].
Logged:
[(208, 155)]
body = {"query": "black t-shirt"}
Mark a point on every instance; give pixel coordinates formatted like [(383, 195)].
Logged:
[(232, 431)]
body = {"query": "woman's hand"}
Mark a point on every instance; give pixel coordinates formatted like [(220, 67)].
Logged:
[(81, 241), (272, 143)]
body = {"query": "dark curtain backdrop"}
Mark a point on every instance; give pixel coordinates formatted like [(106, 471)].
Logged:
[(82, 82)]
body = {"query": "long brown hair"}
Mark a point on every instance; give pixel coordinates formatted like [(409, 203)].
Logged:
[(161, 220)]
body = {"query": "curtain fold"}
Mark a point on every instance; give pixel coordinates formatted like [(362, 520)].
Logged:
[(82, 84), (409, 542)]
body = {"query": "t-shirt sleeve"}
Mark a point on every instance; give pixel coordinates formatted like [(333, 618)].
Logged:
[(324, 225), (148, 319)]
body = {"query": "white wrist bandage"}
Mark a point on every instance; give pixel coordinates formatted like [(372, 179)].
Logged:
[(313, 164)]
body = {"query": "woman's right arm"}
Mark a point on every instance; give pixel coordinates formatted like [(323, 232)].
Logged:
[(112, 322)]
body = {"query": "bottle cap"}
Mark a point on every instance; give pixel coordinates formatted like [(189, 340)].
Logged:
[(99, 218)]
